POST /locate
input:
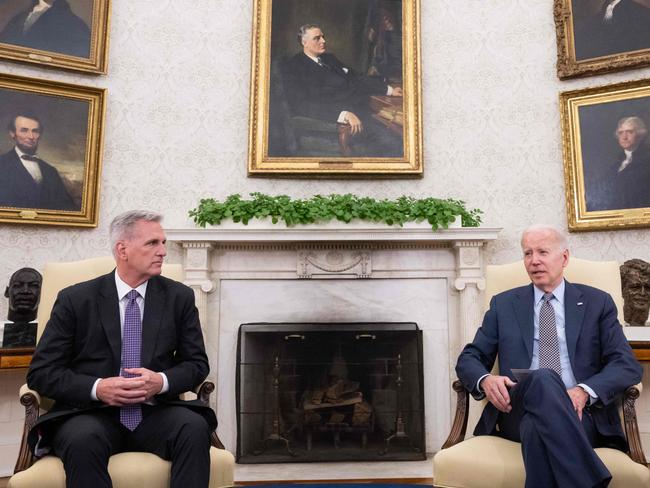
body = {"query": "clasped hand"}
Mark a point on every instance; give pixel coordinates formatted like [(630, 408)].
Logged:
[(118, 391)]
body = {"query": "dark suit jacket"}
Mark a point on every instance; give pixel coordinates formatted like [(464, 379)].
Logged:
[(58, 30), (323, 92), (18, 188), (599, 352), (611, 190), (82, 342)]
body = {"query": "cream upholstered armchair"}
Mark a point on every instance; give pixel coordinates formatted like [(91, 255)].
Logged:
[(127, 469), (490, 461)]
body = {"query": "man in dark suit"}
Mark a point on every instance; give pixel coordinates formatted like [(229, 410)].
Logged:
[(115, 356), (569, 338), (319, 86), (26, 181), (49, 25), (625, 182)]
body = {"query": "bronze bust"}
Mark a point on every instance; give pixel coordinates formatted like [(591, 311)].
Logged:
[(24, 293), (635, 281)]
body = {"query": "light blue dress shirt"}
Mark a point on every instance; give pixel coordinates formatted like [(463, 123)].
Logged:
[(557, 302)]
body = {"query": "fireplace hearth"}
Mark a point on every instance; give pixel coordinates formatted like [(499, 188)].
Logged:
[(310, 392)]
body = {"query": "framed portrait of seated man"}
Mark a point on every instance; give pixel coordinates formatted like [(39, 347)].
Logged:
[(50, 151), (69, 34), (607, 156), (601, 36), (335, 89)]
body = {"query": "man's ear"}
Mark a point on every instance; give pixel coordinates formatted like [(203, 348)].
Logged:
[(120, 250), (7, 292)]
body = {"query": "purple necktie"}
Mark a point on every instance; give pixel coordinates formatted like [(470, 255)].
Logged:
[(131, 415)]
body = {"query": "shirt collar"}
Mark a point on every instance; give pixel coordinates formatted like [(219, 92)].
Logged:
[(627, 153), (315, 60), (21, 153), (123, 288), (558, 293)]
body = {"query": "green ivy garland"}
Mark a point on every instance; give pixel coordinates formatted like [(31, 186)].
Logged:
[(439, 213)]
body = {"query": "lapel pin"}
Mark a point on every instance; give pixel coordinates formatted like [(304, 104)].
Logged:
[(579, 303)]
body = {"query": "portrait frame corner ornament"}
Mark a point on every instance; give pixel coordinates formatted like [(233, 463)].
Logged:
[(322, 146), (39, 101), (86, 50), (576, 29), (602, 169)]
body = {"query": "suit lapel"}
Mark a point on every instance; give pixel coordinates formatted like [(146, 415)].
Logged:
[(109, 315), (574, 313), (524, 312), (154, 305)]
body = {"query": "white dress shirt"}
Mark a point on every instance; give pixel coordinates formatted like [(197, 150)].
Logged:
[(122, 290), (32, 167)]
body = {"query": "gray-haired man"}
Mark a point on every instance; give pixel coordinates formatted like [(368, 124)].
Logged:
[(115, 356)]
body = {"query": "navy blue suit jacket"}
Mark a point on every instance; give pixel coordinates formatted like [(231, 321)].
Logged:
[(600, 355)]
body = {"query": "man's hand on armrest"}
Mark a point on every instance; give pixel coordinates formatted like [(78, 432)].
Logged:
[(496, 391), (355, 123)]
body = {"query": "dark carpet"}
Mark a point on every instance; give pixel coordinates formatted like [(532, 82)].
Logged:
[(338, 485)]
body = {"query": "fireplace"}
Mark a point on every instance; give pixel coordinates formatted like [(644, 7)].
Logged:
[(346, 274), (329, 392)]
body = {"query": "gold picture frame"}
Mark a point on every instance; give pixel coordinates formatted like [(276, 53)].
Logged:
[(601, 36), (72, 34), (300, 133), (607, 156), (57, 130)]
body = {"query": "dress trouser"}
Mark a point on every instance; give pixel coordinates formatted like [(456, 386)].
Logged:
[(86, 441), (556, 446)]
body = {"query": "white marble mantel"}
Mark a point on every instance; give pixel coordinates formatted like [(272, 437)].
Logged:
[(337, 272)]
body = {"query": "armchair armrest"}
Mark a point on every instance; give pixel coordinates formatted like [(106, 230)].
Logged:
[(31, 400), (459, 425), (203, 392), (630, 423)]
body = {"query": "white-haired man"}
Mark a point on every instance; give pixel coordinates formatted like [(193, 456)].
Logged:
[(569, 338), (115, 356)]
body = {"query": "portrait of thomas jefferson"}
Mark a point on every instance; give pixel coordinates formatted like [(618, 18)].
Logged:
[(60, 26), (621, 181)]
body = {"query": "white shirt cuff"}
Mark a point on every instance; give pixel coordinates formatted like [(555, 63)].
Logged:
[(93, 391), (478, 383), (389, 90), (343, 116), (165, 386)]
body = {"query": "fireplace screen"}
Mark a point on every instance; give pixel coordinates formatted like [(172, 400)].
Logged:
[(329, 392)]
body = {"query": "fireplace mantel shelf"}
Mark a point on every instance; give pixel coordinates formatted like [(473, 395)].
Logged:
[(266, 232)]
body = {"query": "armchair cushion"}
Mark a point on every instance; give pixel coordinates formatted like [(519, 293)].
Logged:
[(127, 469), (503, 467)]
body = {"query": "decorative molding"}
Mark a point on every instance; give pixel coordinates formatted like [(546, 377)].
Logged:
[(334, 261)]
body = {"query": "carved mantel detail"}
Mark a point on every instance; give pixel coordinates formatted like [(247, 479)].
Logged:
[(344, 263)]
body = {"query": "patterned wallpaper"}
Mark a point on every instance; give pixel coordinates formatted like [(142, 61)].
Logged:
[(177, 122)]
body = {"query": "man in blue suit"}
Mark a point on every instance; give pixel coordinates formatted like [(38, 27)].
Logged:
[(569, 338)]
